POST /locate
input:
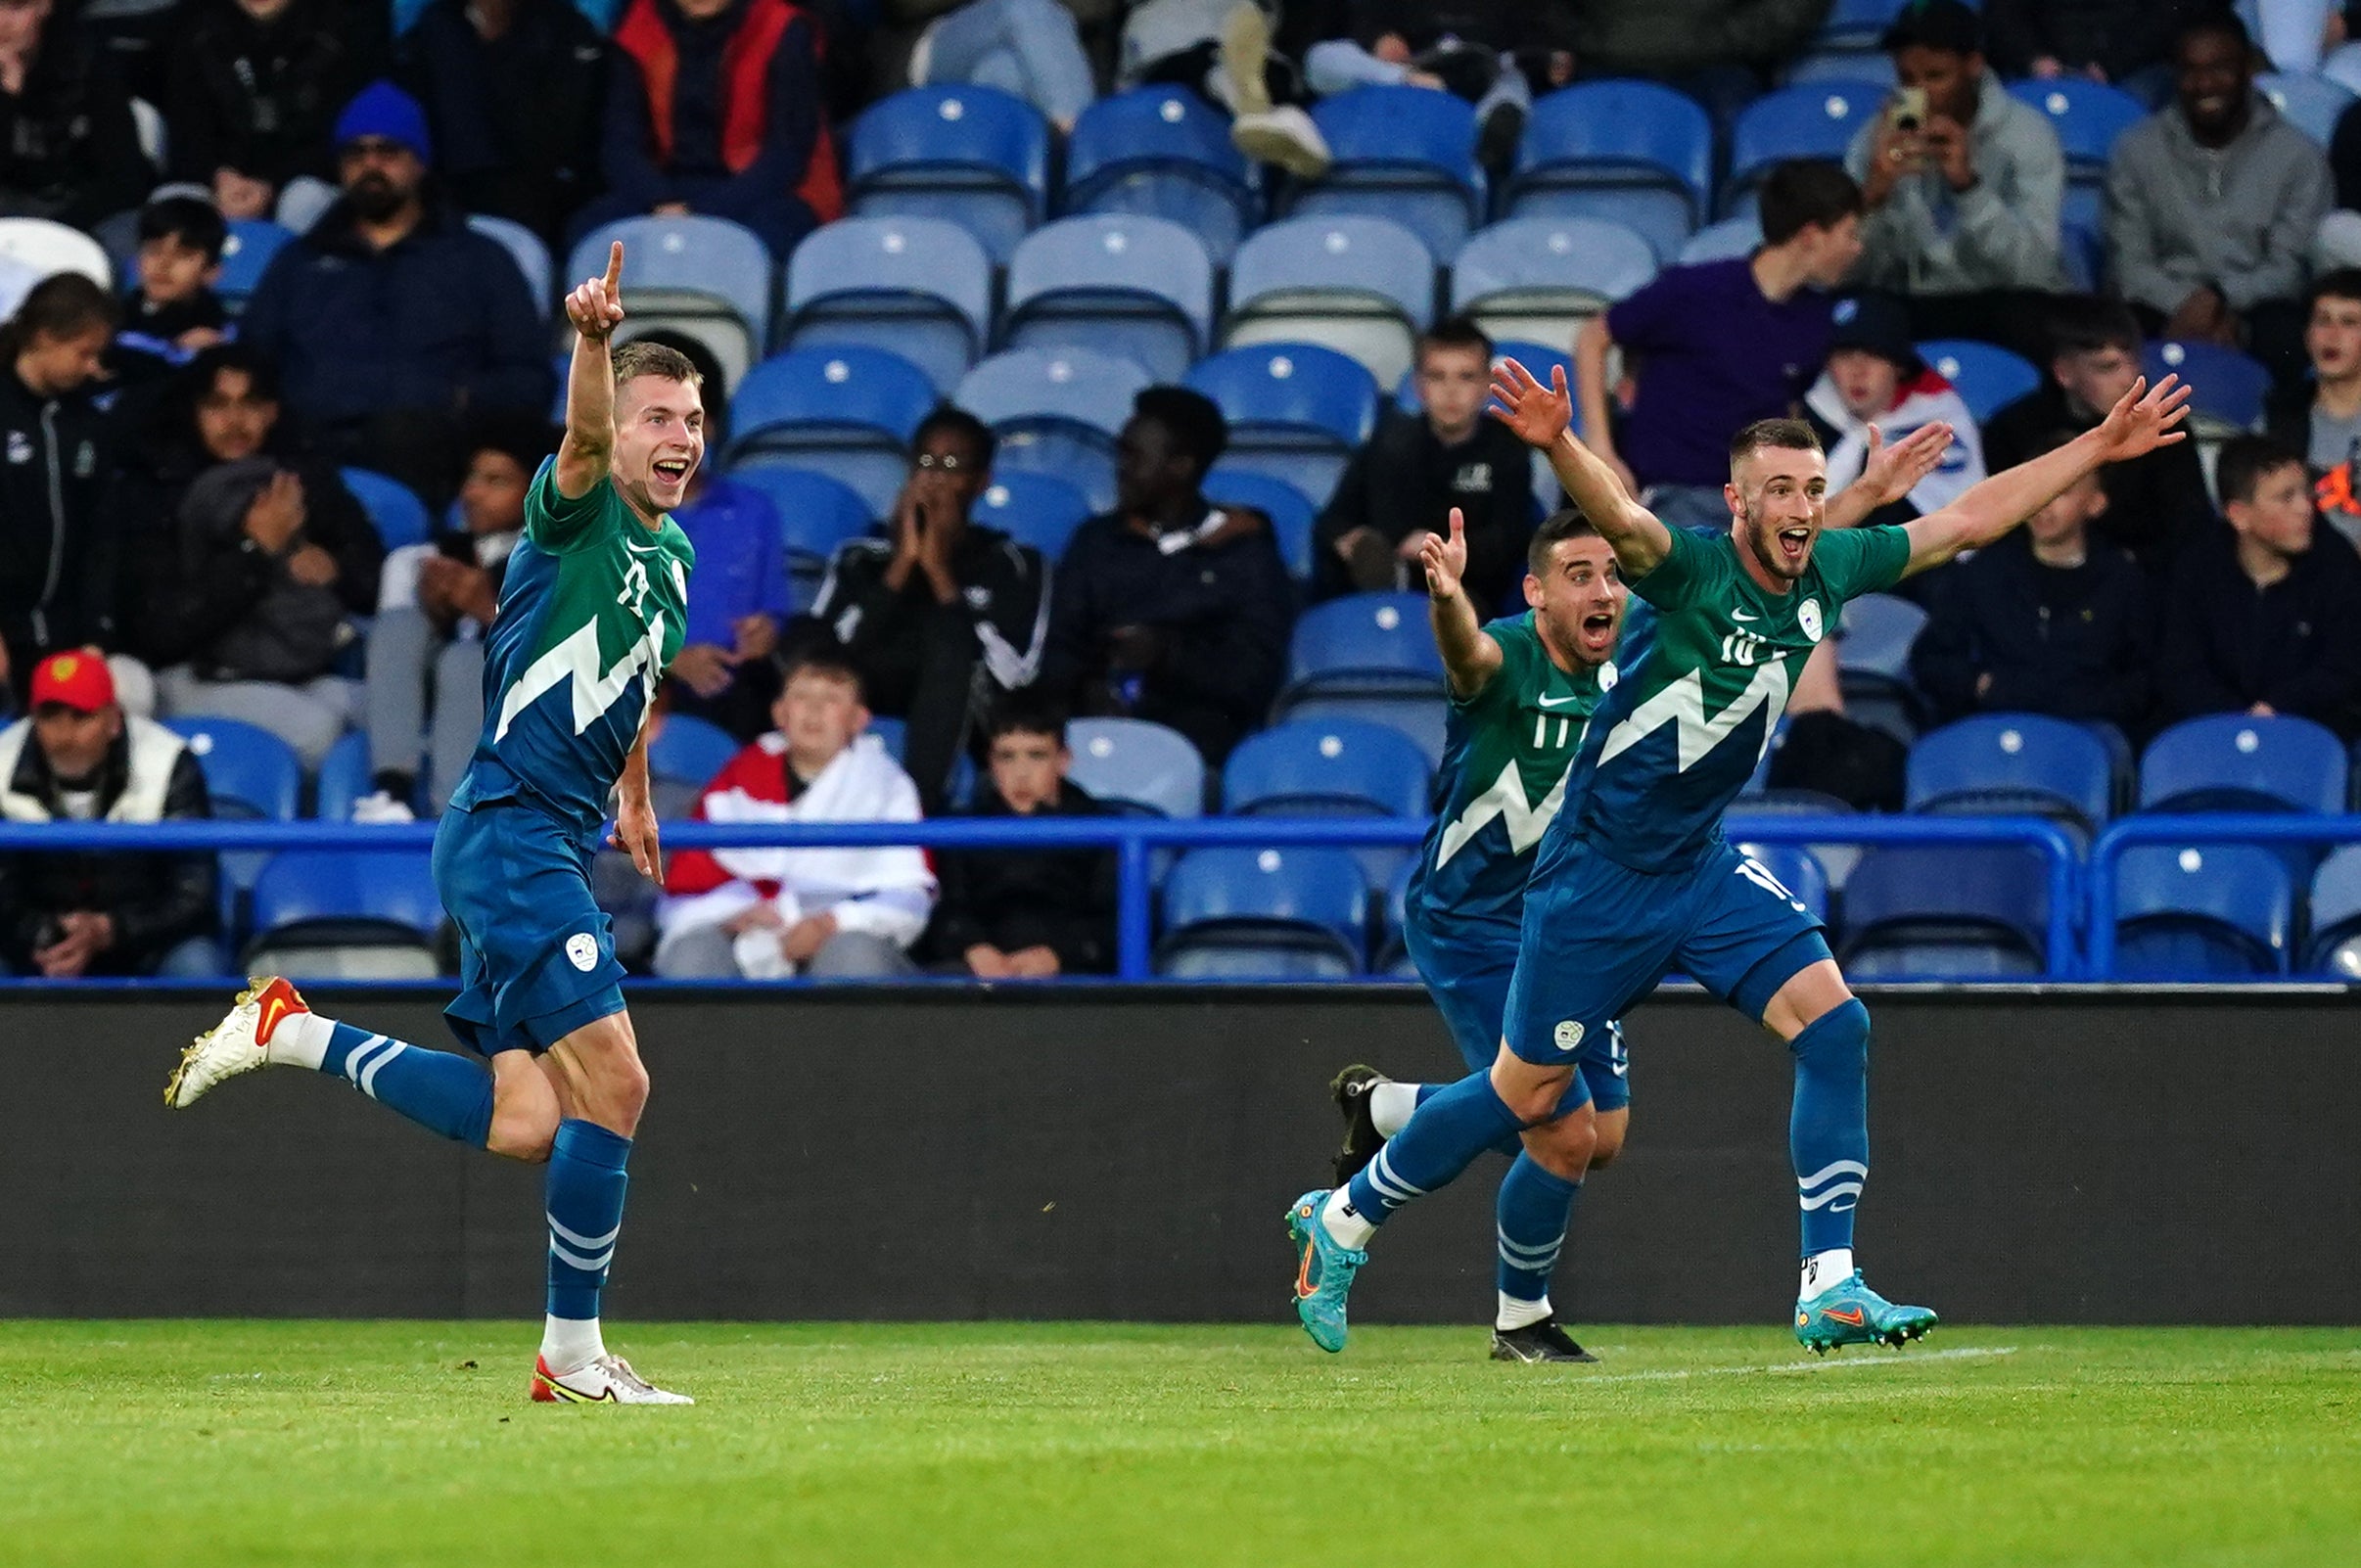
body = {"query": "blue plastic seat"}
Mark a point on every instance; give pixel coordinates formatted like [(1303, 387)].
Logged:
[(1057, 411), (1162, 151), (343, 777), (393, 509), (1947, 912), (347, 914), (2309, 102), (2214, 911), (2227, 387), (1265, 915), (1988, 377), (817, 514), (1042, 510), (2003, 763), (1541, 278), (695, 274), (689, 750), (245, 251), (1732, 239), (1296, 412), (1634, 152), (1873, 663), (2335, 947), (975, 156), (1404, 154), (249, 772), (1371, 658), (1797, 871), (2237, 762), (1137, 767), (533, 262), (2088, 116), (918, 287), (1291, 513), (1138, 287), (1362, 285), (846, 412), (1818, 119), (1341, 767)]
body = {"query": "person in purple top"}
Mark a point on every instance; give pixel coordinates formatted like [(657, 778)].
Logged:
[(725, 671), (1715, 346)]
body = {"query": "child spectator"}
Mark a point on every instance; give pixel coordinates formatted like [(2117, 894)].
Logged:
[(2323, 420), (768, 914), (1876, 377), (1401, 485), (252, 99), (68, 147), (1026, 914), (175, 314)]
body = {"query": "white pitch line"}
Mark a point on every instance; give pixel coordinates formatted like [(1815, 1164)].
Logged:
[(1963, 1352)]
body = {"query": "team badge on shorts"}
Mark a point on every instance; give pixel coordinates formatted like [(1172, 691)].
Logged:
[(1807, 616), (581, 952), (1567, 1035)]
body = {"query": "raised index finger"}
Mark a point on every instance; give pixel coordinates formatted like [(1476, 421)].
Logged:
[(615, 269)]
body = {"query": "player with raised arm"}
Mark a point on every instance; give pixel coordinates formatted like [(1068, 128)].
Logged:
[(1634, 878), (591, 613)]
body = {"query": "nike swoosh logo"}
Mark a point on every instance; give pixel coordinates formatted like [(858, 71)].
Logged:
[(639, 549), (272, 1011), (1852, 1315), (1556, 702), (1741, 615)]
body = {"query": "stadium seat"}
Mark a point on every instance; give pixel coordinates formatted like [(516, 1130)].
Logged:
[(1057, 411), (245, 251), (1634, 152), (2309, 102), (346, 914), (689, 750), (1796, 869), (1988, 377), (1137, 287), (1368, 657), (1139, 769), (2227, 389), (1265, 915), (1818, 119), (704, 277), (2211, 913), (2004, 763), (1947, 912), (2088, 116), (526, 249), (1730, 240), (918, 287), (2237, 762), (1291, 515), (1037, 509), (1541, 278), (2335, 947), (846, 412), (1362, 285), (1873, 663), (45, 248), (1344, 767), (817, 514), (345, 776), (1162, 151), (1869, 65), (1404, 154), (976, 156), (392, 507), (1296, 412), (251, 775), (894, 735)]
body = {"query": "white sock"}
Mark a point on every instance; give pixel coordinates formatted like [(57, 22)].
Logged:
[(299, 1040), (1390, 1106), (1344, 1221), (570, 1344), (1515, 1313), (1824, 1269)]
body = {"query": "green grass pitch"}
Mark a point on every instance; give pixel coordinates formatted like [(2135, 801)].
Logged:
[(353, 1445)]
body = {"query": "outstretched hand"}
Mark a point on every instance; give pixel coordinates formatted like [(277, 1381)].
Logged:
[(1891, 473), (636, 835), (596, 307), (1538, 414), (2145, 418), (1445, 559)]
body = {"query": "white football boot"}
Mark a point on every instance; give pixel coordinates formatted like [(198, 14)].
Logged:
[(239, 1043), (607, 1380)]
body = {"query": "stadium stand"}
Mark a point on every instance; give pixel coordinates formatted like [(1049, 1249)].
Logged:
[(1162, 153), (1290, 512), (1946, 912), (918, 287), (1368, 657), (2239, 762), (1632, 152), (1296, 410), (2227, 387), (1988, 377), (2311, 103), (848, 412), (1265, 915), (975, 156), (2001, 764), (1042, 510), (1138, 287), (346, 914), (1817, 120), (1541, 278), (1404, 154), (1056, 411), (245, 251), (1137, 767), (704, 277), (2217, 911), (816, 513), (1362, 285)]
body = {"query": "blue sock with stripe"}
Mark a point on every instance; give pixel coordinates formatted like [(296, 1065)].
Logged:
[(585, 1205), (440, 1091), (1535, 1208), (1828, 1131), (1441, 1139), (1508, 1144)]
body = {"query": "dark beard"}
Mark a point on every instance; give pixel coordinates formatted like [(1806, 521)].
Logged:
[(374, 199)]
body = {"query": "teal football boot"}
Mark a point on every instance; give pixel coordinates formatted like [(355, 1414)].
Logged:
[(1849, 1313), (1324, 1272)]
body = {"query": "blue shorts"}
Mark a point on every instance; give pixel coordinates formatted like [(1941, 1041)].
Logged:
[(1599, 936), (536, 954), (1467, 970)]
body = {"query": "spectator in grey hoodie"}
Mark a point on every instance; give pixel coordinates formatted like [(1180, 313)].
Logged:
[(2211, 204), (1962, 208)]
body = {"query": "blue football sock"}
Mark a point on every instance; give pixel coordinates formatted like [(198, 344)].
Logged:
[(1510, 1144), (1443, 1137), (1536, 1206), (585, 1204), (1827, 1132), (436, 1089)]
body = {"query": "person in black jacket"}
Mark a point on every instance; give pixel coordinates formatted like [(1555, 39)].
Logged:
[(80, 759), (253, 95), (1026, 914), (947, 617), (2127, 43), (56, 556), (68, 147), (2266, 617), (1401, 485), (1168, 608), (2048, 620)]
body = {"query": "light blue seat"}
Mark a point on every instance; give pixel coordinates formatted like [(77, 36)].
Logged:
[(524, 248), (1988, 377), (1634, 152), (2200, 912), (1265, 915), (2227, 387), (1362, 285), (2309, 101), (1873, 663), (1139, 768), (1968, 911), (848, 412), (1042, 510), (975, 156), (335, 914), (1291, 513), (2003, 763), (2088, 117), (1297, 411), (2335, 947), (1163, 151), (702, 276), (689, 750), (345, 776), (1817, 120), (1730, 240), (245, 251), (1368, 658), (393, 509), (1138, 287), (1404, 154), (1541, 278), (817, 512), (1056, 411), (250, 775), (920, 287), (2238, 762), (1340, 769)]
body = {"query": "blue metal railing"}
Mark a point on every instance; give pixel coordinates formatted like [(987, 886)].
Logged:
[(2195, 828)]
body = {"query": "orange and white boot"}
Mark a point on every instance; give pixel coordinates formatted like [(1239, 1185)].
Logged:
[(606, 1380), (239, 1043)]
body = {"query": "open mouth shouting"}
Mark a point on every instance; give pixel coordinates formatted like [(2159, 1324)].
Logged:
[(671, 473), (1599, 631), (1794, 548)]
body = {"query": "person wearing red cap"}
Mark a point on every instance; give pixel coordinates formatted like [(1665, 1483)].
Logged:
[(80, 759)]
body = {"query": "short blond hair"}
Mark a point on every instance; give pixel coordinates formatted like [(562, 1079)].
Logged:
[(644, 357)]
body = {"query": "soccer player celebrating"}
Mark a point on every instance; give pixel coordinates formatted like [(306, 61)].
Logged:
[(591, 613), (1634, 878)]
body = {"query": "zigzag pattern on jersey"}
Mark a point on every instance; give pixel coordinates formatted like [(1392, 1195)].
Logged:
[(1506, 799), (576, 660), (1683, 703)]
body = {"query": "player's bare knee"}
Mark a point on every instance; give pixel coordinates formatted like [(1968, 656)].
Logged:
[(1564, 1147), (521, 1131)]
